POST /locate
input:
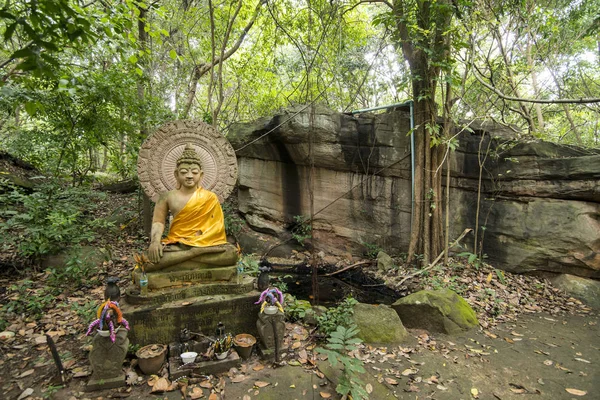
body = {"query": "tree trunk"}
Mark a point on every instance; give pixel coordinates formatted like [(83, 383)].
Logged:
[(201, 69), (143, 40)]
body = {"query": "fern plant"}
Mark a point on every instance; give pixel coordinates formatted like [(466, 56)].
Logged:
[(340, 343)]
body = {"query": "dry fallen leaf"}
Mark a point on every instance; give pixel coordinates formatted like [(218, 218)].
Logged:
[(325, 395), (82, 372), (130, 378), (238, 379), (369, 388), (583, 360), (548, 362), (196, 393), (490, 334), (246, 397), (213, 396), (26, 373), (26, 393), (576, 392), (261, 384), (161, 385), (475, 393), (258, 367), (409, 371), (391, 381), (206, 384)]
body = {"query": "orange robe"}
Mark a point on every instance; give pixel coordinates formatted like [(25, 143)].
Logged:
[(200, 222)]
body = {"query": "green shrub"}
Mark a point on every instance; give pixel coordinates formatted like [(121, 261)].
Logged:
[(51, 218), (371, 250), (336, 316), (25, 300), (301, 229), (77, 270), (233, 222), (340, 343), (249, 264), (295, 309)]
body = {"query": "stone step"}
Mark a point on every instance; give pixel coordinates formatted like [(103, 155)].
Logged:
[(187, 290), (170, 279)]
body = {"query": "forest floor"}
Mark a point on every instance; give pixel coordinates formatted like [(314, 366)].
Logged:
[(533, 340)]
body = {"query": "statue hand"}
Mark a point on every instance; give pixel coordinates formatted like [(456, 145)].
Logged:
[(155, 252)]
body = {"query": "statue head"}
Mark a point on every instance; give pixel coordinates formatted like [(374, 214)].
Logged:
[(188, 171)]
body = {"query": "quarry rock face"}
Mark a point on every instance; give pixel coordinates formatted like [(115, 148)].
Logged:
[(539, 207)]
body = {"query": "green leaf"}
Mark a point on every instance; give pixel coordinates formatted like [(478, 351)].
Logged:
[(31, 108), (133, 59), (139, 71), (23, 53), (9, 31), (173, 54)]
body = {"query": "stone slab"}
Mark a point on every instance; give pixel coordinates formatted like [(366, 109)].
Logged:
[(102, 384), (161, 280), (213, 367), (244, 285), (163, 323)]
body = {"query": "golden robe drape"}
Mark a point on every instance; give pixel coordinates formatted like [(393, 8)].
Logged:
[(199, 223)]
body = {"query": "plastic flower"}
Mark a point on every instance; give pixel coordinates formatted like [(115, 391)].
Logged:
[(108, 313), (271, 296)]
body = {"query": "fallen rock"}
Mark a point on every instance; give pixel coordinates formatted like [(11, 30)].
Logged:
[(384, 261), (586, 290), (87, 254), (378, 324), (441, 311)]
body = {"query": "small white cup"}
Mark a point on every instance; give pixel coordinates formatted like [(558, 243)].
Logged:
[(189, 357)]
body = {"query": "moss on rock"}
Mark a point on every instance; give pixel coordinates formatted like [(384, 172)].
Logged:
[(436, 311), (378, 324)]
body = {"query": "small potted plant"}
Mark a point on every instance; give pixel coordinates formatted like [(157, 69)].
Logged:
[(222, 346), (110, 319), (272, 300)]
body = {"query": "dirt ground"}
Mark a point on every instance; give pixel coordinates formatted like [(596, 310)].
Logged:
[(534, 341), (538, 354)]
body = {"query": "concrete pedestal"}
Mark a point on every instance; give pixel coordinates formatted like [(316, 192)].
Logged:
[(160, 316)]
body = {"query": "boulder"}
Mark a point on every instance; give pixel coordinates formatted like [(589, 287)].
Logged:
[(441, 311), (378, 324), (586, 290), (87, 254), (384, 261)]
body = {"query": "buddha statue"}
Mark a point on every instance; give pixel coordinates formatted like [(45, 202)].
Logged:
[(196, 237)]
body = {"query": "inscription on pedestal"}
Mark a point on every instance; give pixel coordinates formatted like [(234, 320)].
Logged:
[(191, 276), (163, 324), (170, 295)]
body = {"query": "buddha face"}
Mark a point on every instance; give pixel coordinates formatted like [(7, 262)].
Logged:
[(188, 175)]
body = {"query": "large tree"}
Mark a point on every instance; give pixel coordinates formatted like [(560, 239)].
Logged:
[(424, 35)]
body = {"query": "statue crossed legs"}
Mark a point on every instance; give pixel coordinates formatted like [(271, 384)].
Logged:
[(196, 239)]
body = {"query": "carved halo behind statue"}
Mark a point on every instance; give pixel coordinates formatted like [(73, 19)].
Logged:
[(160, 151)]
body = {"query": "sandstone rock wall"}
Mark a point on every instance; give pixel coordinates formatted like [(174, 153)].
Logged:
[(540, 202)]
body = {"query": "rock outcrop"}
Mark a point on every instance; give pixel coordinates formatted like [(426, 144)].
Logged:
[(540, 202)]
